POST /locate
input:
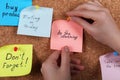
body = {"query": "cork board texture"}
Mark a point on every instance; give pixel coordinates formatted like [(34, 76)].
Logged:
[(91, 49)]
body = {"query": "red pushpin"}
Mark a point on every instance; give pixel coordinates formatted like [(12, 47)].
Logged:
[(15, 49)]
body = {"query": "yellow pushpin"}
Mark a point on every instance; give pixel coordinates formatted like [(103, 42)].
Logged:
[(37, 7), (68, 18)]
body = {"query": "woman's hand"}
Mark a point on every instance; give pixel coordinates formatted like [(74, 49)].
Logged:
[(52, 71), (103, 29)]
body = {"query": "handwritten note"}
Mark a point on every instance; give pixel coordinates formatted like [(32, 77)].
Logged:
[(66, 33), (15, 60), (110, 67), (35, 22), (10, 10)]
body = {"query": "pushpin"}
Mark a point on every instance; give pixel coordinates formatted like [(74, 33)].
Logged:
[(37, 7), (15, 49), (115, 53), (69, 18)]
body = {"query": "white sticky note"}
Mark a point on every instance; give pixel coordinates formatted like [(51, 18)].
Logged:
[(35, 21), (110, 67)]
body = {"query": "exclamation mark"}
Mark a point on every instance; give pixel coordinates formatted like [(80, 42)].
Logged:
[(26, 61)]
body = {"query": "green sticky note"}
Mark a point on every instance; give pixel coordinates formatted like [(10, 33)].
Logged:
[(15, 60)]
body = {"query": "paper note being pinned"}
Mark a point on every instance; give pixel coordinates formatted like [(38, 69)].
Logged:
[(10, 10), (35, 22), (110, 67), (67, 33), (15, 60)]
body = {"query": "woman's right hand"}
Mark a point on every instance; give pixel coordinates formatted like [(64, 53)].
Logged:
[(104, 28)]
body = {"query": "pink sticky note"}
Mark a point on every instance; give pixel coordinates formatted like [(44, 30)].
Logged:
[(66, 33), (110, 67)]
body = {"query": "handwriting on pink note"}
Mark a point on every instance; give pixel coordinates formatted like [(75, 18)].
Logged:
[(66, 33)]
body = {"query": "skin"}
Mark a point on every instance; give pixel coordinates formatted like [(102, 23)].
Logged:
[(51, 71), (104, 30)]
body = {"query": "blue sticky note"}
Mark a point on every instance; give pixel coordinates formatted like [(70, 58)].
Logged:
[(10, 11), (35, 21)]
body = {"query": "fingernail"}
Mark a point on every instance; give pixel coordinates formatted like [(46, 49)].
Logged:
[(66, 49)]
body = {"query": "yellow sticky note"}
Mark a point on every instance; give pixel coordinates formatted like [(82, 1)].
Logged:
[(15, 60)]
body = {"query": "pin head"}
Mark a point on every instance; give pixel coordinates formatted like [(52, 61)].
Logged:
[(15, 49), (115, 53), (37, 7), (69, 18)]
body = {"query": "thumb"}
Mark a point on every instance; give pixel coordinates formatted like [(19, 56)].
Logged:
[(65, 59)]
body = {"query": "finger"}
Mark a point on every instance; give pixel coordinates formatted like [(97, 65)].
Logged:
[(71, 53), (96, 1), (54, 56), (83, 23), (42, 70), (65, 58), (76, 67), (90, 14), (91, 2), (89, 6), (75, 61), (73, 72)]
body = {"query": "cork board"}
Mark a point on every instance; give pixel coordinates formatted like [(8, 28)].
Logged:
[(91, 49)]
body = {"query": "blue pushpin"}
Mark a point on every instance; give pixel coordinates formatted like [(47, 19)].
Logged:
[(115, 53)]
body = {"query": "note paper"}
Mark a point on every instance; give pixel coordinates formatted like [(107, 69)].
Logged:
[(10, 10), (67, 33), (110, 67), (15, 60), (35, 21)]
